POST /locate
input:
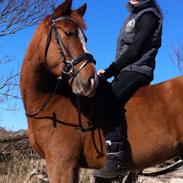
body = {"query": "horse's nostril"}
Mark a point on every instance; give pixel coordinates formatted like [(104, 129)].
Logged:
[(91, 82)]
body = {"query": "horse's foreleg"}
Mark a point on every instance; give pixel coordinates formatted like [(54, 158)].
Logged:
[(61, 170)]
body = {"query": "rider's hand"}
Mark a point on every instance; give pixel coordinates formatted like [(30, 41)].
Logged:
[(101, 74)]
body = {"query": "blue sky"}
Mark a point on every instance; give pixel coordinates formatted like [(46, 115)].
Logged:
[(103, 19)]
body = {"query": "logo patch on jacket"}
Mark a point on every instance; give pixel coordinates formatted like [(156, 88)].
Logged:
[(130, 25)]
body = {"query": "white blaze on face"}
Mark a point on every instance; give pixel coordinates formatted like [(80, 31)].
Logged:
[(81, 36), (77, 86)]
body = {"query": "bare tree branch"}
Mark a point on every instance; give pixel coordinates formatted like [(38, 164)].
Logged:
[(18, 14), (8, 88), (14, 16), (5, 60), (7, 80), (177, 58)]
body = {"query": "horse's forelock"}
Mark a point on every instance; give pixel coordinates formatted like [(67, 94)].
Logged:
[(74, 15), (79, 20)]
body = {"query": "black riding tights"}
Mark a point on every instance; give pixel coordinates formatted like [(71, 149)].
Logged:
[(127, 83), (123, 87)]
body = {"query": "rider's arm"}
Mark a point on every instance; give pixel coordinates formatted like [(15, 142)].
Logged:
[(144, 29)]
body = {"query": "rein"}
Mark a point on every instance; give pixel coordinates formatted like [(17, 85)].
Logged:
[(68, 69)]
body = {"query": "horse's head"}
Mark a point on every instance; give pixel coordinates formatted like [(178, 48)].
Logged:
[(65, 53)]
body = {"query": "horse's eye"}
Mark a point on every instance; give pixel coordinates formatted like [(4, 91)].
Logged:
[(69, 33)]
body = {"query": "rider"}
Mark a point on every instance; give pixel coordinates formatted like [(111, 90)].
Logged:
[(137, 47)]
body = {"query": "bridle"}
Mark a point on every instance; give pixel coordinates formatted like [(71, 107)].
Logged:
[(68, 67), (67, 70)]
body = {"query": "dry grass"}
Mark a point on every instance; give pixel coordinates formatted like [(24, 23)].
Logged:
[(19, 164), (86, 176), (18, 169)]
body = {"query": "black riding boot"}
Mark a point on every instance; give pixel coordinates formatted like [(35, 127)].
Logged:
[(115, 166)]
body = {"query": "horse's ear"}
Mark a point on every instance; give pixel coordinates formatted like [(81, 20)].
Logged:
[(64, 8), (81, 10)]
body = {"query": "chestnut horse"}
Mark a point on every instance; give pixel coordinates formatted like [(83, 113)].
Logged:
[(60, 113)]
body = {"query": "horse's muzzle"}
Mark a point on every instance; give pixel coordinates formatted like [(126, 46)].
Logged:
[(86, 89)]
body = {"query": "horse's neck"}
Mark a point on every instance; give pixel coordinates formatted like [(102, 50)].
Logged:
[(36, 84), (35, 80)]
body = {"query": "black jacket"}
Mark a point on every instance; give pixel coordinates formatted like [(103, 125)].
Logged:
[(139, 40)]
